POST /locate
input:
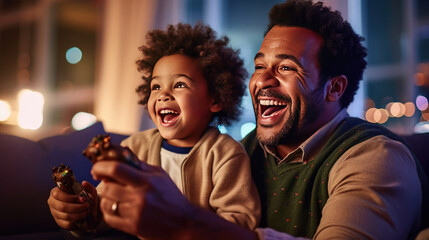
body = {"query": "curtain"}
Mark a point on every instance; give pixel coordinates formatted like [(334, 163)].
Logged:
[(125, 24)]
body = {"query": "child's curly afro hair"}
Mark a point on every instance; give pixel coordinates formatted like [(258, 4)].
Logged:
[(221, 66)]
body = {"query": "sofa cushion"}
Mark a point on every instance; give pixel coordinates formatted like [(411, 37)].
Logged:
[(26, 168), (67, 149), (419, 145), (25, 182)]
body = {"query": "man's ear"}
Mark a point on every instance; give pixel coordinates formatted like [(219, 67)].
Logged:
[(336, 87), (215, 107)]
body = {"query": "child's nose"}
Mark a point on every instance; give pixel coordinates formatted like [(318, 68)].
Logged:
[(165, 96)]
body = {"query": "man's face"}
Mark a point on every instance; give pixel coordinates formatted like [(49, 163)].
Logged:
[(285, 85)]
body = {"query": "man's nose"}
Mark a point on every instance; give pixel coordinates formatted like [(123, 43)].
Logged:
[(267, 80)]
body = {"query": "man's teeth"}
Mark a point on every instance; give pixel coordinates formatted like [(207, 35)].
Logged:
[(168, 111), (271, 103)]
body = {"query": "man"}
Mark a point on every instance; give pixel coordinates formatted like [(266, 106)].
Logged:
[(320, 173), (325, 175)]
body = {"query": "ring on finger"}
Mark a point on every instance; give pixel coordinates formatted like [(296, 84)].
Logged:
[(115, 208)]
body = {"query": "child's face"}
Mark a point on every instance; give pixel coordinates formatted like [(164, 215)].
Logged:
[(179, 102)]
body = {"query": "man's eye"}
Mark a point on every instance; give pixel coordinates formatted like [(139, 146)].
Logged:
[(258, 67), (286, 68), (155, 87)]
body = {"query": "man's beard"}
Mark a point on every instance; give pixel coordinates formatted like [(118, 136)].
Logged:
[(290, 130), (285, 132)]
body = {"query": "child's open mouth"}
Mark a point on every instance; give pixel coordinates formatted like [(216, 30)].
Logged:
[(168, 115), (271, 107)]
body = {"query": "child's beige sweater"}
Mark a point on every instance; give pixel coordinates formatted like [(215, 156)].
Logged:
[(215, 175)]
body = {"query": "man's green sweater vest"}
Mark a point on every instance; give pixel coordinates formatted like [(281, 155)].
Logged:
[(294, 194)]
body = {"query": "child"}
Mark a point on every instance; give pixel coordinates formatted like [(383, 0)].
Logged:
[(192, 80)]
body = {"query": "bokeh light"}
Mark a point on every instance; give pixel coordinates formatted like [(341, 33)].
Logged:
[(384, 116), (419, 79), (397, 109), (376, 115), (73, 55), (247, 128), (421, 127), (23, 75), (425, 116), (410, 109), (389, 108), (381, 115), (369, 103), (222, 129), (369, 115), (30, 105), (82, 120), (5, 110), (421, 102)]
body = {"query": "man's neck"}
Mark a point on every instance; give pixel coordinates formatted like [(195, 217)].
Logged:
[(286, 147)]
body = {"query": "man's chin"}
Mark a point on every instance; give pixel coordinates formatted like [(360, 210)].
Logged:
[(267, 136)]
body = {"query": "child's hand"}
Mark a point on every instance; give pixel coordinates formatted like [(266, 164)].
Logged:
[(67, 209)]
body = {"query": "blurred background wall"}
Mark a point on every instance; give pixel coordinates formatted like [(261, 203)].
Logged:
[(67, 63)]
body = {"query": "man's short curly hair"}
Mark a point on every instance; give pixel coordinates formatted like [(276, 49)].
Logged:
[(341, 52), (221, 65)]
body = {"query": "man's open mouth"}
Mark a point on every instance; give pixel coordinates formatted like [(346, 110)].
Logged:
[(271, 108), (168, 115)]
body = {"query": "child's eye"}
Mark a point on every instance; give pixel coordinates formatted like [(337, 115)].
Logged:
[(155, 87), (180, 85)]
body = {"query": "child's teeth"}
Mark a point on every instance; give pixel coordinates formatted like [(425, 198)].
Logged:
[(167, 111)]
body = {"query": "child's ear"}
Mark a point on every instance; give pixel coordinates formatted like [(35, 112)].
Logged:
[(336, 87), (215, 107)]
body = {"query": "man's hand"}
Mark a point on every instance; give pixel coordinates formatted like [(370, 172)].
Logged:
[(146, 203)]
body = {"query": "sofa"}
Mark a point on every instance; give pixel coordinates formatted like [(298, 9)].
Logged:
[(26, 179), (26, 165)]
